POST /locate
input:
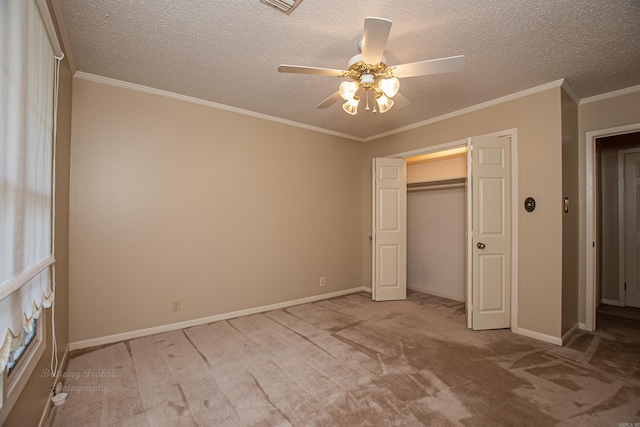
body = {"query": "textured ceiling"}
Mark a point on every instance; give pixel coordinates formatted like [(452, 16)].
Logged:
[(228, 52)]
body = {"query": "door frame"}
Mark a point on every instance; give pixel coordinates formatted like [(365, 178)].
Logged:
[(513, 135), (591, 217)]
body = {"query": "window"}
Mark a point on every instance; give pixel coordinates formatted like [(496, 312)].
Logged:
[(15, 356), (28, 82), (14, 379)]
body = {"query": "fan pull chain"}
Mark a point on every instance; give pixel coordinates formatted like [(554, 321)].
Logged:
[(367, 108)]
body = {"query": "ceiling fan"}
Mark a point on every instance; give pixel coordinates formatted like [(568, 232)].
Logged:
[(370, 75)]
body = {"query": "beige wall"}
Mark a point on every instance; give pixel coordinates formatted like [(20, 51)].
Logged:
[(29, 406), (537, 118), (436, 242), (174, 200), (435, 229), (594, 116), (570, 219)]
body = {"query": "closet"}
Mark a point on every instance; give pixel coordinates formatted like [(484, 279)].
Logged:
[(436, 216)]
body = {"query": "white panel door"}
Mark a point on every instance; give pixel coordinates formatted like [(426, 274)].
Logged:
[(632, 228), (389, 252), (468, 227), (491, 233)]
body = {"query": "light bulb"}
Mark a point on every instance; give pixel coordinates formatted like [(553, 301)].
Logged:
[(389, 86), (348, 90), (351, 106), (384, 103)]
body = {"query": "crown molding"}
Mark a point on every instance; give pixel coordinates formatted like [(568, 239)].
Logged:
[(210, 104), (497, 101), (569, 91), (603, 96), (554, 84)]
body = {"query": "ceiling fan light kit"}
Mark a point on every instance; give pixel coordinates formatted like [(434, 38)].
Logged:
[(377, 79), (370, 74)]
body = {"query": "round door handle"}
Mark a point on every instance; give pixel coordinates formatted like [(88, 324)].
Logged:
[(481, 245)]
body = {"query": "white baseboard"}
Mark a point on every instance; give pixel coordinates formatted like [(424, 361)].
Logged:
[(538, 336), (435, 293), (582, 326), (47, 407), (93, 342), (612, 302), (570, 332)]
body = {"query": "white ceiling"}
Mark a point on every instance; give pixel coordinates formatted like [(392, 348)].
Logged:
[(228, 52)]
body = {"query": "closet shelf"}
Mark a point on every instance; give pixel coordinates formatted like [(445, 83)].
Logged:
[(437, 185)]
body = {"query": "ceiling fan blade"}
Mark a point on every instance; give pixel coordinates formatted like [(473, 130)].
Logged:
[(301, 69), (431, 66), (374, 39), (400, 101), (330, 100)]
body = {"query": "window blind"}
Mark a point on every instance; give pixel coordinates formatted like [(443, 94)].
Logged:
[(26, 170)]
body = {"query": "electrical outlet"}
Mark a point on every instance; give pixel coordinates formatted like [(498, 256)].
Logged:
[(323, 281), (175, 305)]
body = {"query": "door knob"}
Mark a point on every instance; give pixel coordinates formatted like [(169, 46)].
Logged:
[(481, 245)]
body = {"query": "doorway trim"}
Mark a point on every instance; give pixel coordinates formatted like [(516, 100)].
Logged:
[(513, 135), (591, 216)]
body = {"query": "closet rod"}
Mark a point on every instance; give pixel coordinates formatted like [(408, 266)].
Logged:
[(435, 187)]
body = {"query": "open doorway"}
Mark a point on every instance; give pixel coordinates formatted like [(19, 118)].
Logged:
[(616, 227), (436, 218)]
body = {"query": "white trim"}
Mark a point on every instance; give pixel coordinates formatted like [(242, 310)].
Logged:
[(51, 29), (608, 95), (15, 283), (515, 236), (591, 216), (373, 228), (613, 302), (511, 97), (570, 332), (435, 293), (582, 326), (468, 307), (64, 35), (210, 104), (44, 418), (537, 335), (569, 90), (493, 102), (93, 342)]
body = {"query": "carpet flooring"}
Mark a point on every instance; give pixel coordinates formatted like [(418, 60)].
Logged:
[(349, 361)]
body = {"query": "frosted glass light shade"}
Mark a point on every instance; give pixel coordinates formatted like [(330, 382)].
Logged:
[(351, 106), (348, 90), (384, 103), (389, 86)]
